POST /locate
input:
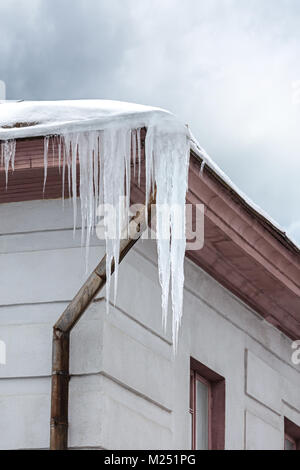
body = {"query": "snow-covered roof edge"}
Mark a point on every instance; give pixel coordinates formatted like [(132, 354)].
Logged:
[(58, 117), (19, 120)]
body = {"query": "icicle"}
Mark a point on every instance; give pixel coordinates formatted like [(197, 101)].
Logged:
[(178, 220), (133, 155), (63, 149), (70, 155), (12, 154), (91, 199), (53, 151), (96, 175), (116, 143), (59, 153), (46, 147), (8, 152), (68, 159), (167, 155), (139, 155), (149, 163), (127, 155)]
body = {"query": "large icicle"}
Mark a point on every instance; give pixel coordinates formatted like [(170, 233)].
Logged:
[(8, 151), (103, 159), (167, 156)]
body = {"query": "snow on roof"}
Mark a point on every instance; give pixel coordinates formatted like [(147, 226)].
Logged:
[(40, 118), (26, 119)]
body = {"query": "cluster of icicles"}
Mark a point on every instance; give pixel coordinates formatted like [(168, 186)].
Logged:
[(105, 158)]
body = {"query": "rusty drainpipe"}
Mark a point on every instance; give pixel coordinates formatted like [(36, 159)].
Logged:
[(65, 324)]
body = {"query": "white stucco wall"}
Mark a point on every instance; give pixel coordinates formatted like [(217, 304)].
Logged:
[(127, 390)]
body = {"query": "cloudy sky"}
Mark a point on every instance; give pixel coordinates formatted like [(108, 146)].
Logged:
[(229, 68)]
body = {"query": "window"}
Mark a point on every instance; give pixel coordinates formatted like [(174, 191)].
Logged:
[(289, 443), (200, 407), (291, 435), (207, 408)]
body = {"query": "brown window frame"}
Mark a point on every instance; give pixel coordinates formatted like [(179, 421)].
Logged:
[(291, 433), (216, 404)]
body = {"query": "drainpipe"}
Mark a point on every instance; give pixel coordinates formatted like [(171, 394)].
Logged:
[(65, 324)]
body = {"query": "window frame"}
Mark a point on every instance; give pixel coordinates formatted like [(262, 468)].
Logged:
[(216, 404), (292, 434)]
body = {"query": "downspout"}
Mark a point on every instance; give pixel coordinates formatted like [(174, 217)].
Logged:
[(65, 324)]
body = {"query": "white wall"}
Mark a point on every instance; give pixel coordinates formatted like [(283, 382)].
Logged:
[(127, 390)]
